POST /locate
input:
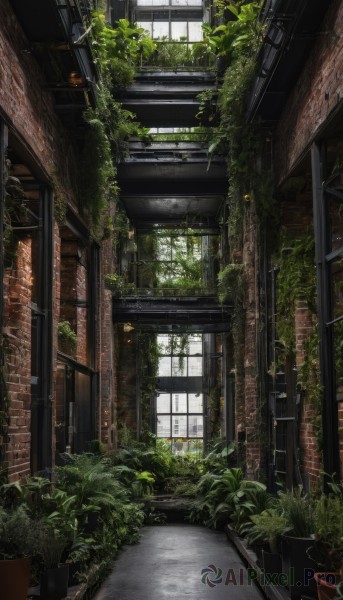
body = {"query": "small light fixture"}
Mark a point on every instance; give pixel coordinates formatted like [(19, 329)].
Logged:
[(128, 327), (75, 78)]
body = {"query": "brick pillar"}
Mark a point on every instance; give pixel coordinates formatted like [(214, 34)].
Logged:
[(310, 421)]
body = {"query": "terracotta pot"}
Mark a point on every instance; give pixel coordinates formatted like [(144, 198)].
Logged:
[(326, 585), (14, 578)]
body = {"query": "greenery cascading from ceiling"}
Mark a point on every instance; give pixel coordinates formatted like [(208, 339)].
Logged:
[(117, 51)]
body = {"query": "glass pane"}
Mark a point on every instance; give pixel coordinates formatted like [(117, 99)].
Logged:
[(179, 403), (195, 344), (178, 30), (179, 426), (195, 366), (147, 25), (163, 426), (164, 367), (186, 2), (179, 367), (195, 403), (195, 31), (163, 249), (163, 403), (160, 29), (163, 342), (195, 426), (152, 2)]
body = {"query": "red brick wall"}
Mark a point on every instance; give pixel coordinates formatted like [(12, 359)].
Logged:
[(317, 93), (250, 390), (17, 339), (311, 459), (107, 414), (27, 104)]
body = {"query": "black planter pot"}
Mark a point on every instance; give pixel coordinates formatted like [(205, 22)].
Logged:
[(271, 562), (74, 569), (298, 567), (259, 548), (54, 583), (92, 522)]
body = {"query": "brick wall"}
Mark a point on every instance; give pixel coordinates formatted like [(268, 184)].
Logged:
[(317, 94), (107, 414), (250, 391), (17, 339), (311, 459), (28, 106)]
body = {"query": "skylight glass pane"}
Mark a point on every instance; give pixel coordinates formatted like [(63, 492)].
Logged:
[(163, 426), (163, 403), (179, 403), (195, 31), (195, 403)]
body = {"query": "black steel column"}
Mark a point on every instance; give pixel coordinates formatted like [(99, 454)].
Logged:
[(329, 409), (46, 285)]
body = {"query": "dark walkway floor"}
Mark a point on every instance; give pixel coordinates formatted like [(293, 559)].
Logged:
[(167, 565)]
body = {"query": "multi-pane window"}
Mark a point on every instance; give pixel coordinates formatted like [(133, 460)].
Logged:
[(179, 415), (169, 2), (190, 30), (178, 361)]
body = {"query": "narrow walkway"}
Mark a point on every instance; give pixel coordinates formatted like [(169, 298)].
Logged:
[(169, 564)]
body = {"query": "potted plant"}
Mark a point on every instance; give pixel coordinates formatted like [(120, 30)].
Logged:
[(268, 526), (327, 549), (16, 538), (55, 534), (50, 546), (298, 510)]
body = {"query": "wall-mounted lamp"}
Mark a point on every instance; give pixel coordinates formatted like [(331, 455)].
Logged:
[(75, 78), (128, 327)]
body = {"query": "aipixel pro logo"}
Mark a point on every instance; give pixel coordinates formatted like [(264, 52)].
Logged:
[(212, 576)]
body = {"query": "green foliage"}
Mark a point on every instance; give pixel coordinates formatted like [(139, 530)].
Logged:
[(175, 55), (116, 50), (268, 526), (119, 49), (327, 551), (17, 531), (227, 497), (231, 283), (67, 337), (216, 460), (298, 510), (296, 280), (238, 36)]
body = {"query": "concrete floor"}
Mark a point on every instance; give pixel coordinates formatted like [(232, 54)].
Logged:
[(178, 562)]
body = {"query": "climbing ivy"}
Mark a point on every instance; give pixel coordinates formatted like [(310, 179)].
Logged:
[(109, 125), (296, 279)]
